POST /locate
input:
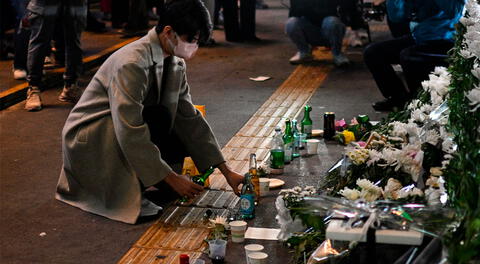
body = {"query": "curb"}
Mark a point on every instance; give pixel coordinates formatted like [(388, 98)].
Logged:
[(18, 92)]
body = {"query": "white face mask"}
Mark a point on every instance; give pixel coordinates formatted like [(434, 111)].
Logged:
[(183, 49)]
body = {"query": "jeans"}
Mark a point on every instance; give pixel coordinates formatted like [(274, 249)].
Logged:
[(22, 35), (42, 30), (305, 34), (417, 61)]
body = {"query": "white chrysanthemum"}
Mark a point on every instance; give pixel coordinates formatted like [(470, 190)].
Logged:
[(368, 186), (433, 182), (374, 156), (432, 137), (466, 54), (418, 116), (474, 97), (399, 129), (436, 171), (406, 192), (370, 195), (448, 146), (390, 190), (476, 70), (414, 104), (350, 194)]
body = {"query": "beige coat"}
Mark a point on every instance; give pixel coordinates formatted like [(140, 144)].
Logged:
[(106, 143)]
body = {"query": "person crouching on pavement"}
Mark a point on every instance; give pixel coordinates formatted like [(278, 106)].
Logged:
[(135, 122), (315, 23)]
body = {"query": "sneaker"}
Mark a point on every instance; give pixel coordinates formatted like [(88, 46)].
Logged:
[(34, 101), (340, 60), (300, 58), (70, 93), (19, 74)]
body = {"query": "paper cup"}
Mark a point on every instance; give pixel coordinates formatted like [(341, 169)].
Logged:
[(312, 146), (217, 248), (257, 258), (264, 186), (238, 229), (251, 248)]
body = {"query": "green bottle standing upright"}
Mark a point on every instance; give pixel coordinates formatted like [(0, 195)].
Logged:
[(277, 152), (307, 122), (247, 199), (288, 141), (202, 178)]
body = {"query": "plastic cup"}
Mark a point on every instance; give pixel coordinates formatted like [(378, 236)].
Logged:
[(312, 146), (264, 186), (257, 258), (251, 248), (217, 248), (302, 137), (238, 229)]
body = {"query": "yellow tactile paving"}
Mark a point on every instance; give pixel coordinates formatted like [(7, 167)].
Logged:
[(163, 243)]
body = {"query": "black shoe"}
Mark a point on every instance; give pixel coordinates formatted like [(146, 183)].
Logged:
[(387, 105), (252, 39)]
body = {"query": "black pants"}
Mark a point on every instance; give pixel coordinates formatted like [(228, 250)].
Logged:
[(417, 61), (235, 30)]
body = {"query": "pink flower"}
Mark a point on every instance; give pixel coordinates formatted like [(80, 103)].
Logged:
[(340, 125), (353, 122), (362, 144)]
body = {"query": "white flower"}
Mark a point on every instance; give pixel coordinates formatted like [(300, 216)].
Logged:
[(350, 194), (409, 191), (436, 171), (418, 116), (219, 220), (390, 190), (297, 189), (433, 182), (369, 195), (474, 97), (465, 54), (370, 191), (414, 104), (432, 137), (374, 156), (448, 145), (476, 71), (399, 129)]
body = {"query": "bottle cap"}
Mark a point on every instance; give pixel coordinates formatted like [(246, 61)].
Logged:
[(184, 257)]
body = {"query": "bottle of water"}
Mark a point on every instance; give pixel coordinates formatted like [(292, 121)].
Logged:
[(296, 140), (277, 152)]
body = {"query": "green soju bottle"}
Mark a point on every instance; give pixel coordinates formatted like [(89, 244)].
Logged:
[(277, 152), (247, 199), (296, 140), (307, 122), (200, 179), (288, 141)]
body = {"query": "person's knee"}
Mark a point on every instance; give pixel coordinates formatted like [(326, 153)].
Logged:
[(333, 23), (292, 25)]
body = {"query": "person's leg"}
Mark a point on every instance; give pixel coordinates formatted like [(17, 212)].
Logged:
[(230, 20), (21, 38), (379, 58), (420, 60), (247, 19), (74, 23), (332, 32), (297, 29)]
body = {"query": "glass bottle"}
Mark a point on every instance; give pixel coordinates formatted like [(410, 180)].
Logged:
[(277, 152), (306, 124), (296, 140), (247, 199), (288, 141), (202, 178), (255, 178)]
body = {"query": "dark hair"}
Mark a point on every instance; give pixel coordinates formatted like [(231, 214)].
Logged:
[(186, 17)]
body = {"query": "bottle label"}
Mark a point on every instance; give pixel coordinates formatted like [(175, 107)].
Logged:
[(288, 152), (277, 159), (247, 204), (307, 129)]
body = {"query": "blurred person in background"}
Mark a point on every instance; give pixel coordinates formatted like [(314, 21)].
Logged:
[(432, 27), (316, 23), (42, 16)]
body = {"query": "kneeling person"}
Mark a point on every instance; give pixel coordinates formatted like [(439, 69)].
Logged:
[(134, 123)]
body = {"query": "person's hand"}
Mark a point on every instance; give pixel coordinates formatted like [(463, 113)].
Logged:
[(183, 186), (233, 178)]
